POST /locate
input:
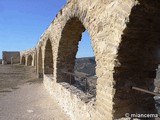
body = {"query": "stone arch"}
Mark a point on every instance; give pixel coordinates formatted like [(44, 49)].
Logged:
[(48, 58), (40, 68), (105, 23), (67, 49), (137, 60), (29, 60), (23, 60)]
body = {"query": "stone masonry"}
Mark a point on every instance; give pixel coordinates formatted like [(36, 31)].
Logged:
[(10, 57), (126, 41), (27, 57)]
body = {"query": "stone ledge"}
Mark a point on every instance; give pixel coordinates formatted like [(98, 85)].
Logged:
[(70, 99), (87, 98)]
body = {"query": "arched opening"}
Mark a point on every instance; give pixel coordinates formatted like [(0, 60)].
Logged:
[(67, 50), (23, 61), (40, 70), (138, 60), (48, 60), (85, 65), (29, 60)]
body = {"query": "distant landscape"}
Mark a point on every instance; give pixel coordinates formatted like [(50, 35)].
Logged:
[(86, 67)]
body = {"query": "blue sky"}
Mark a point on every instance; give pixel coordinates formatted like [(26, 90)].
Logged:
[(23, 21)]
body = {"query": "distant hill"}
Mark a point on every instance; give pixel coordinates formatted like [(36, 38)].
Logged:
[(85, 65)]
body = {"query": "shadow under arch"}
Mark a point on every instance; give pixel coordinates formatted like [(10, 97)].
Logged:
[(29, 60), (67, 50), (48, 58), (138, 58), (40, 68), (23, 60)]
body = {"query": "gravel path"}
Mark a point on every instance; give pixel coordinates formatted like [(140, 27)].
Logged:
[(27, 101)]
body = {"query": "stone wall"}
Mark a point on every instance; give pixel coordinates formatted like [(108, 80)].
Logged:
[(28, 51), (27, 57), (10, 57), (73, 101), (138, 59), (125, 39)]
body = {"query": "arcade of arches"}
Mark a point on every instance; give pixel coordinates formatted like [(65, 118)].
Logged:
[(126, 41)]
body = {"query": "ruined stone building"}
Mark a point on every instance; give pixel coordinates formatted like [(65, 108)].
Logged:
[(126, 42), (10, 57)]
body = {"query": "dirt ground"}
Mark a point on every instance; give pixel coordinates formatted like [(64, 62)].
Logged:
[(23, 96)]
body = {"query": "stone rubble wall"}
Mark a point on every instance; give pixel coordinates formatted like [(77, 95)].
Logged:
[(117, 32), (68, 99), (27, 53), (104, 22), (10, 57)]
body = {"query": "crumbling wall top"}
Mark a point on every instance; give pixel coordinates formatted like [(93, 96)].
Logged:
[(28, 51)]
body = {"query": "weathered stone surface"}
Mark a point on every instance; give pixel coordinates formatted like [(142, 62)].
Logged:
[(10, 57), (27, 57), (125, 39)]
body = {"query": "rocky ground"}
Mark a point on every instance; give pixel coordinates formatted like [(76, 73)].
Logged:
[(86, 65), (23, 97)]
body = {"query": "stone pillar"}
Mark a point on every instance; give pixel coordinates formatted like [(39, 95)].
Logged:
[(11, 60), (4, 62)]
